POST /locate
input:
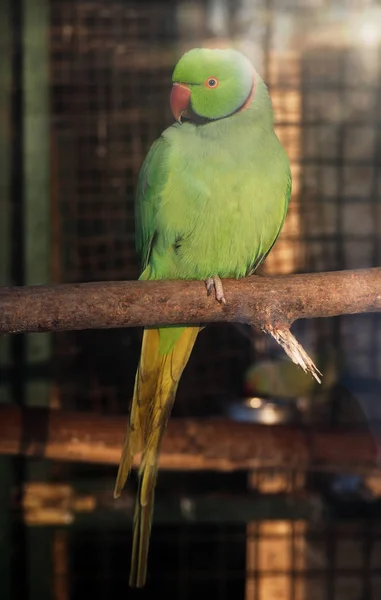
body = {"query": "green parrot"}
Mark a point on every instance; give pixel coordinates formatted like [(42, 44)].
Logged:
[(280, 378), (212, 197)]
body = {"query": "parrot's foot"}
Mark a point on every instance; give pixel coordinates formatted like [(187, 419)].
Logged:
[(215, 283)]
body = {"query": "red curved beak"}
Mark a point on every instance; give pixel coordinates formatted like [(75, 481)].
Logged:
[(179, 100)]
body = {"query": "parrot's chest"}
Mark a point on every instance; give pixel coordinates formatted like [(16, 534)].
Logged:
[(226, 205)]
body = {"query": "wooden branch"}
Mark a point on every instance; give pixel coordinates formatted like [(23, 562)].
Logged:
[(189, 444), (261, 301)]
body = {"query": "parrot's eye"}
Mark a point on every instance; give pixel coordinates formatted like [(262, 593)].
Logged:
[(212, 82)]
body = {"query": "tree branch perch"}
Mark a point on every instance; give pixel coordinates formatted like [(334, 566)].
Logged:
[(261, 301), (189, 444), (270, 303)]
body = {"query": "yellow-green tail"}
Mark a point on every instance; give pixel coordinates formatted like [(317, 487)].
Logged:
[(156, 383)]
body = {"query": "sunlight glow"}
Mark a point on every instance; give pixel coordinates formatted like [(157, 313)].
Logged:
[(370, 33), (368, 27)]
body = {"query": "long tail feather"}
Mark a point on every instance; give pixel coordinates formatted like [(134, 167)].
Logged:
[(156, 383)]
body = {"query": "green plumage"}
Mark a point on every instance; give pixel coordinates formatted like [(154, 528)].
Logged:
[(212, 196)]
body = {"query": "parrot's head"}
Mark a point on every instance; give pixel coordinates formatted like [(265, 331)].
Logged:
[(211, 84)]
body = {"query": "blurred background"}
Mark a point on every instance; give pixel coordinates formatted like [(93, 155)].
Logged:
[(84, 91)]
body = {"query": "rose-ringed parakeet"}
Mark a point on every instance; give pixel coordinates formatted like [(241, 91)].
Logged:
[(212, 196), (280, 378)]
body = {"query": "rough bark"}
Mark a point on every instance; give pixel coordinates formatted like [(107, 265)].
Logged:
[(189, 444), (262, 301)]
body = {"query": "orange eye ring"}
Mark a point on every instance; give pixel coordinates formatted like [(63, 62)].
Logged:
[(212, 82)]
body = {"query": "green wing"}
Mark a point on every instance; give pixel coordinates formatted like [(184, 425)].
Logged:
[(286, 203), (152, 179)]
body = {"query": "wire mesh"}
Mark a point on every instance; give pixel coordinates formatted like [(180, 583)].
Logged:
[(111, 69), (111, 72), (111, 64), (336, 561)]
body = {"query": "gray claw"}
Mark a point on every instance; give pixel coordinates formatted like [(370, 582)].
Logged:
[(209, 285), (216, 284)]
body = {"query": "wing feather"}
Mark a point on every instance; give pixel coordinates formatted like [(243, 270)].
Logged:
[(151, 183)]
